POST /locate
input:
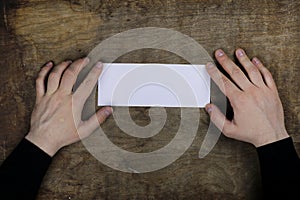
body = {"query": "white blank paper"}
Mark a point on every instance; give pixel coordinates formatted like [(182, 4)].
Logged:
[(161, 85)]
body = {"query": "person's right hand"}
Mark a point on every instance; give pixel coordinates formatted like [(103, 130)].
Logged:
[(258, 113)]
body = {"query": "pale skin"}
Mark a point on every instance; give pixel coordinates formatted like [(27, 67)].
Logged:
[(56, 119), (258, 113)]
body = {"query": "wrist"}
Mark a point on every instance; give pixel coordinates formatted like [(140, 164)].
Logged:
[(44, 144), (271, 137)]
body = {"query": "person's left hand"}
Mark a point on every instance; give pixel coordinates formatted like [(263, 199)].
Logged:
[(56, 119)]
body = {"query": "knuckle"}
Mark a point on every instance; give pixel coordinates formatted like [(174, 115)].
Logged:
[(235, 71), (253, 70), (70, 73), (213, 116), (225, 81), (101, 116), (53, 75), (64, 64), (225, 85), (87, 82), (227, 132), (266, 73), (260, 65)]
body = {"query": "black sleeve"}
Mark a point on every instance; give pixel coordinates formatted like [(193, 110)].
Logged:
[(22, 172), (280, 170)]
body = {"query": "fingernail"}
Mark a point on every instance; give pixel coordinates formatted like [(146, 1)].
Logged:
[(99, 65), (255, 60), (108, 111), (240, 52), (49, 64), (209, 109), (69, 61), (86, 60), (209, 65), (220, 53)]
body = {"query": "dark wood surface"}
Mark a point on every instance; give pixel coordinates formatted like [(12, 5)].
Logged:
[(35, 31)]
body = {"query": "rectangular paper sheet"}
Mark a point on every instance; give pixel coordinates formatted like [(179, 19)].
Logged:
[(159, 85)]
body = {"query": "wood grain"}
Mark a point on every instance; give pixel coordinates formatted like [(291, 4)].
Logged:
[(35, 31)]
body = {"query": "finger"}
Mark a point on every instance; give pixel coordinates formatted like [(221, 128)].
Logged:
[(70, 75), (225, 85), (251, 70), (40, 81), (94, 121), (265, 73), (86, 87), (219, 119), (55, 76), (234, 71)]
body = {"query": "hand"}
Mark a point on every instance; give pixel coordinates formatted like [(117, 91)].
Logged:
[(258, 113), (56, 118)]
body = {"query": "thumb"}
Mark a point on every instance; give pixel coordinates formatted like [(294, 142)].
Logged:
[(219, 119), (94, 121), (103, 113)]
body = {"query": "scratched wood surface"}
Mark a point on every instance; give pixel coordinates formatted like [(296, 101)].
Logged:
[(35, 31)]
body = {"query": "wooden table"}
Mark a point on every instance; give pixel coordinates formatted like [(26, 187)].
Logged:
[(35, 31)]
